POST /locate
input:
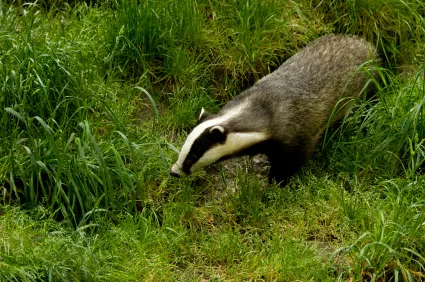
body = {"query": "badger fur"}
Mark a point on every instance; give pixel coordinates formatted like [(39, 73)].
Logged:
[(284, 114)]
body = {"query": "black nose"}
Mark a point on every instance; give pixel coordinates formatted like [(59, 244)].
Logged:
[(174, 174)]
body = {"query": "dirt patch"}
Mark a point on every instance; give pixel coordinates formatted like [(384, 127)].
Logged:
[(221, 179)]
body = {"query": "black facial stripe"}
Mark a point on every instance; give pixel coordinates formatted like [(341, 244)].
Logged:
[(203, 143)]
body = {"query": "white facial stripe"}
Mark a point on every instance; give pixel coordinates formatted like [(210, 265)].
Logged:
[(198, 131), (176, 169), (235, 142)]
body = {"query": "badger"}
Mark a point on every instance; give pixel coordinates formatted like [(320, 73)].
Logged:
[(284, 114)]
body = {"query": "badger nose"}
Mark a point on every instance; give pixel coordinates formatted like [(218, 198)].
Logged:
[(175, 174), (175, 171)]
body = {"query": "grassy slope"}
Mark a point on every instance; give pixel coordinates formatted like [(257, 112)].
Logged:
[(94, 99)]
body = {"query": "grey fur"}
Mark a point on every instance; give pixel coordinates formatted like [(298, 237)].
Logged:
[(293, 104)]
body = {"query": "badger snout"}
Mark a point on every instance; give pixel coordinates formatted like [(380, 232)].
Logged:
[(175, 171), (172, 173)]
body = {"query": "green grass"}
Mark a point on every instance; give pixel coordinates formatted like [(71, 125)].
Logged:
[(96, 99), (393, 26), (386, 136)]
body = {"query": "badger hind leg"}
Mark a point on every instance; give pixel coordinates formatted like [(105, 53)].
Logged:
[(284, 164)]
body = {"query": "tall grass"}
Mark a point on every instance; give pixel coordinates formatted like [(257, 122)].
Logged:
[(229, 44), (391, 25), (386, 137), (392, 247), (51, 155), (74, 176), (143, 35)]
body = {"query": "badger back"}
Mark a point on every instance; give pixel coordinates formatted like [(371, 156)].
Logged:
[(305, 91)]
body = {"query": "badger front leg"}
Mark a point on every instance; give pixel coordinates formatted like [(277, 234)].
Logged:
[(284, 164)]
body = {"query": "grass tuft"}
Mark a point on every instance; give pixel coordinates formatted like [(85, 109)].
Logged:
[(387, 136)]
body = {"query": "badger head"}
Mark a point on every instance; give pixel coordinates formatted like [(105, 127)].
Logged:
[(213, 139)]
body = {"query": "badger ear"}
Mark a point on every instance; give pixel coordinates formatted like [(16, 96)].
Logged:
[(218, 132), (204, 114)]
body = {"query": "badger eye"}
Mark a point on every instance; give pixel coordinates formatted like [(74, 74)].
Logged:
[(187, 165), (188, 162)]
